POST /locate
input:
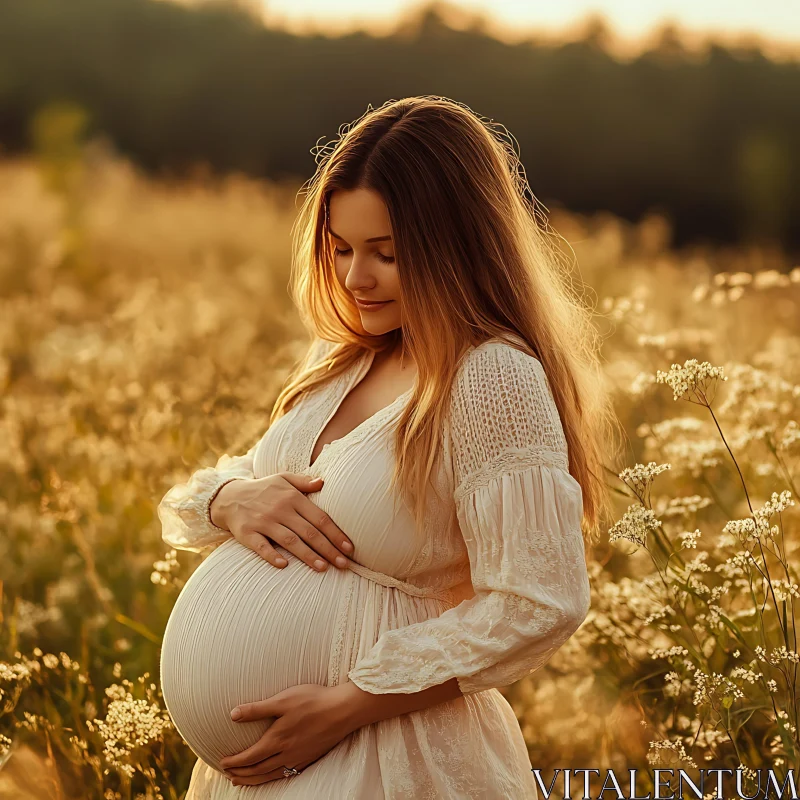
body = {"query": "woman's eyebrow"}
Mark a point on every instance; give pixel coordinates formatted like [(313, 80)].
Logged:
[(373, 239)]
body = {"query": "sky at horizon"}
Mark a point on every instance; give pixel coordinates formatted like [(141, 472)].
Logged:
[(776, 21)]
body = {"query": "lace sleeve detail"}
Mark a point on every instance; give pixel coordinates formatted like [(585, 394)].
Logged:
[(503, 417), (184, 510), (520, 513)]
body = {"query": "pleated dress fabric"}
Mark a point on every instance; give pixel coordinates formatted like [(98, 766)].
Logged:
[(490, 587)]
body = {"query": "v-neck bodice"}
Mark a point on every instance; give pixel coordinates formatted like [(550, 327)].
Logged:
[(357, 469), (337, 397)]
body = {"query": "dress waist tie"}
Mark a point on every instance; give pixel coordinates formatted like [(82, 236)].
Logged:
[(337, 655), (391, 582)]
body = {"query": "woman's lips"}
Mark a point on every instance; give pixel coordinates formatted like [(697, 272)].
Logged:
[(372, 306)]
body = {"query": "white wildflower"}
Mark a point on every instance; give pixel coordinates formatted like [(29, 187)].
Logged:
[(128, 724), (669, 754), (681, 506), (639, 477), (715, 689), (634, 525), (785, 590), (694, 380), (789, 437), (689, 539)]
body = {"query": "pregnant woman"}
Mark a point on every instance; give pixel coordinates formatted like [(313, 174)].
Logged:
[(409, 534)]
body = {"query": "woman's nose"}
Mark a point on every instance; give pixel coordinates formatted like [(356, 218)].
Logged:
[(358, 278)]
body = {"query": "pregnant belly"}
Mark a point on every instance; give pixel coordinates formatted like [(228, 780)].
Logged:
[(242, 630)]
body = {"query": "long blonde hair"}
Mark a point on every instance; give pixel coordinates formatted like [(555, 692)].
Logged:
[(474, 261)]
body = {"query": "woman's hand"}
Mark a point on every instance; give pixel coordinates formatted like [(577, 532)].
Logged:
[(310, 720), (276, 507)]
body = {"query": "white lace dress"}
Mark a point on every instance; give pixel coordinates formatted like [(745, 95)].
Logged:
[(486, 592)]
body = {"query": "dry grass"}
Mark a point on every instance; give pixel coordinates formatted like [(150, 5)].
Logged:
[(145, 329)]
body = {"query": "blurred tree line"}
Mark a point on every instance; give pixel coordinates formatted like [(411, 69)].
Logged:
[(710, 140)]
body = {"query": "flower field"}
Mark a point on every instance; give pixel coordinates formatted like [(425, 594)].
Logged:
[(145, 329)]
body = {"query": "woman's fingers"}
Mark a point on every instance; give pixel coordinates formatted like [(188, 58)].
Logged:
[(294, 543), (261, 773), (274, 508), (260, 769), (256, 780), (310, 513), (259, 543), (316, 529), (265, 748), (309, 537), (333, 538)]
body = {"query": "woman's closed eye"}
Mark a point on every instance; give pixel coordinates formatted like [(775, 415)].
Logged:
[(379, 256)]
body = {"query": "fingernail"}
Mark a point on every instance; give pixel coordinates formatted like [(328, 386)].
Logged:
[(347, 546), (236, 713), (341, 561), (319, 564), (281, 562)]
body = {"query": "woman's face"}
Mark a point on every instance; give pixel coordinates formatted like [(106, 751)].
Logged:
[(364, 256)]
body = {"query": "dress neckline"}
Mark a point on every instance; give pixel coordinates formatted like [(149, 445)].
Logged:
[(351, 379), (338, 391)]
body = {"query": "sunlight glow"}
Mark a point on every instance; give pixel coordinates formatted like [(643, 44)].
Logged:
[(775, 23)]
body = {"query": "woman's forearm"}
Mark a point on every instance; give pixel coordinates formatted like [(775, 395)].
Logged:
[(364, 708)]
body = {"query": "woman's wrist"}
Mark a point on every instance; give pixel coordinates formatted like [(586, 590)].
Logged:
[(360, 707), (215, 510), (355, 706)]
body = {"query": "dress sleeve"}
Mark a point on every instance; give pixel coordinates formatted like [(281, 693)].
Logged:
[(184, 510), (520, 513)]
